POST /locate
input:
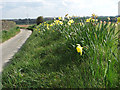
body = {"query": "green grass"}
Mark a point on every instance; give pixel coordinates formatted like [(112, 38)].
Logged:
[(49, 58), (7, 34)]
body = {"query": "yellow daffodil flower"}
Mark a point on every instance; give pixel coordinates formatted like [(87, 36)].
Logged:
[(59, 18), (87, 20), (93, 15), (96, 20), (79, 49), (48, 26), (108, 19), (56, 22), (69, 23), (81, 24), (96, 16), (118, 20), (93, 20), (52, 24), (66, 15), (60, 22)]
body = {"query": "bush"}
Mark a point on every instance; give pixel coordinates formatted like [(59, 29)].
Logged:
[(31, 27), (39, 20)]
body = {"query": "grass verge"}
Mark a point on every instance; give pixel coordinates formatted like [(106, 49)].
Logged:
[(7, 34)]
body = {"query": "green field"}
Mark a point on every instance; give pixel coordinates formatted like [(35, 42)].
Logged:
[(49, 58)]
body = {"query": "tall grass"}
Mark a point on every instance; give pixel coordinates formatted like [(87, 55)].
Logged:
[(49, 57)]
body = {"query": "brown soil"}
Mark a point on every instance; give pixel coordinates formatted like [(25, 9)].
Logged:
[(23, 26)]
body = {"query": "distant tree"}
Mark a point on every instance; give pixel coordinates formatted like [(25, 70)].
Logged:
[(39, 20)]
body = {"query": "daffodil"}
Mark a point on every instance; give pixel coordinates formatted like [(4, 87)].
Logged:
[(87, 20), (60, 22), (79, 49), (52, 24), (93, 15), (93, 20), (70, 22), (81, 24), (118, 20), (48, 26), (56, 22), (108, 19), (66, 15), (96, 20), (59, 18), (96, 16)]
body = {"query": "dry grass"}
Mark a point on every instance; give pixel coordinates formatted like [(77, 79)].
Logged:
[(6, 25)]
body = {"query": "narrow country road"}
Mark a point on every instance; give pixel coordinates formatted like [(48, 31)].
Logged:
[(10, 47)]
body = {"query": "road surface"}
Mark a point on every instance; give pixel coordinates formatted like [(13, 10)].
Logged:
[(11, 46)]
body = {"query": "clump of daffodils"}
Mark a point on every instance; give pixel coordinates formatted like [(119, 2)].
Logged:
[(93, 18), (79, 49), (88, 20), (58, 22)]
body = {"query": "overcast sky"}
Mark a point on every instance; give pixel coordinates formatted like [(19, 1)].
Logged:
[(11, 9)]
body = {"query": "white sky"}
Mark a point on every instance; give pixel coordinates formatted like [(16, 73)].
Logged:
[(53, 8)]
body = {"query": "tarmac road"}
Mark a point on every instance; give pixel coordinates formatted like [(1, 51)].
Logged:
[(11, 46)]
